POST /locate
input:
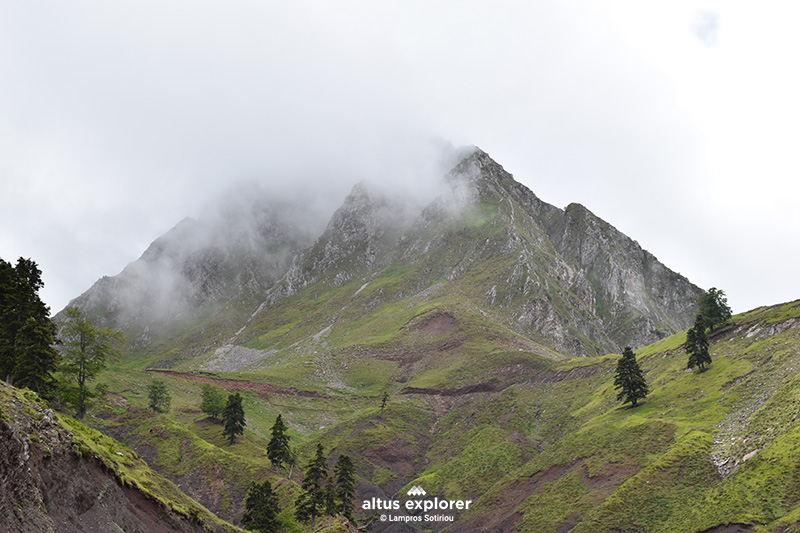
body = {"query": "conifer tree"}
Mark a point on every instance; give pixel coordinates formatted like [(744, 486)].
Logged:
[(261, 509), (27, 334), (697, 345), (629, 379), (345, 487), (278, 450), (8, 320), (311, 503), (233, 417), (36, 359)]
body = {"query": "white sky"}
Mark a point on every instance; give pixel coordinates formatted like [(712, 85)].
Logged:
[(677, 122)]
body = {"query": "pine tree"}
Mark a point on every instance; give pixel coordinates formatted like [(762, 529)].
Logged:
[(345, 487), (159, 396), (213, 400), (278, 450), (629, 379), (86, 349), (233, 417), (27, 334), (714, 308), (8, 320), (311, 503), (697, 345), (36, 359), (261, 509), (384, 400)]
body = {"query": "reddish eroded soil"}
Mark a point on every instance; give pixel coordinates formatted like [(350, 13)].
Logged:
[(435, 325), (503, 378), (263, 389)]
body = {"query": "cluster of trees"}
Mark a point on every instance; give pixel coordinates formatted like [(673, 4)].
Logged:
[(225, 408), (56, 361), (713, 311), (324, 494)]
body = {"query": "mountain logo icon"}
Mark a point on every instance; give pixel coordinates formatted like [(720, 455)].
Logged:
[(416, 491)]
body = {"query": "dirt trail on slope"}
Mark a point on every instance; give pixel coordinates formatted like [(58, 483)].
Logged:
[(263, 389), (503, 378)]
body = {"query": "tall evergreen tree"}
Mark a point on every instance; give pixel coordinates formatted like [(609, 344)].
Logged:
[(86, 349), (629, 379), (697, 345), (311, 503), (36, 358), (278, 450), (261, 509), (345, 487), (8, 320), (27, 334), (233, 417), (714, 308)]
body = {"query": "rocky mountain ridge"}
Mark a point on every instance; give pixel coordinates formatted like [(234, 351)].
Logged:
[(562, 277)]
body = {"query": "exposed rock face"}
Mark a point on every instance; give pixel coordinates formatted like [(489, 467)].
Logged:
[(562, 277), (45, 485)]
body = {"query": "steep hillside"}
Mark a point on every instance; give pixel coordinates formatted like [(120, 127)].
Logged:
[(714, 451), (536, 442), (210, 272), (563, 279), (58, 475)]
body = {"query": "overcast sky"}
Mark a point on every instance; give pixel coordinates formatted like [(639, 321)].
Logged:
[(677, 121)]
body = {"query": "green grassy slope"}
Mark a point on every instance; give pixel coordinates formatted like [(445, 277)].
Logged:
[(704, 450), (538, 441)]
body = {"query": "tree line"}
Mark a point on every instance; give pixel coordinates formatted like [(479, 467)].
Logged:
[(324, 494), (714, 311)]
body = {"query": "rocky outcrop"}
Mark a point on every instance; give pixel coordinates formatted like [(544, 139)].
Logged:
[(561, 277), (48, 484)]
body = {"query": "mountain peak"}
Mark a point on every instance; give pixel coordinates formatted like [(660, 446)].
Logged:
[(564, 278)]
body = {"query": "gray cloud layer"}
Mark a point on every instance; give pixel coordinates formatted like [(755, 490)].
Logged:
[(119, 119)]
